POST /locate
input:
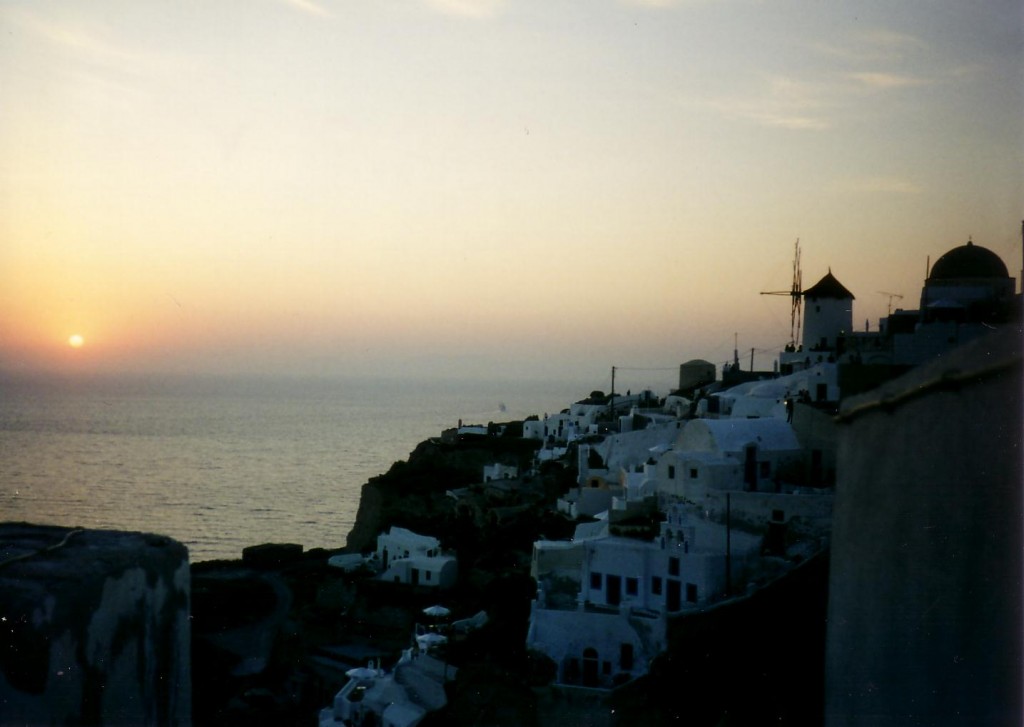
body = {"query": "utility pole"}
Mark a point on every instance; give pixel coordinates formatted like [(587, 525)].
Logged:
[(611, 399), (728, 544)]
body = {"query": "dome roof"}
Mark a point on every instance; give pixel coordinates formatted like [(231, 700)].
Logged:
[(968, 261)]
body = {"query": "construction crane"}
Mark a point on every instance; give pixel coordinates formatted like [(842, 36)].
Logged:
[(796, 297), (892, 297)]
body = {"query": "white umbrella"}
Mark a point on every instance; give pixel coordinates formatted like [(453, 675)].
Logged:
[(361, 672), (436, 611), (428, 640)]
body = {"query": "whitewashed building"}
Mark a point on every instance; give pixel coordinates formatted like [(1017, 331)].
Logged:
[(567, 426), (602, 602), (416, 560), (401, 698), (724, 454)]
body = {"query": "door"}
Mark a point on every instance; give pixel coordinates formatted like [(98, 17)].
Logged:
[(674, 596), (590, 672), (614, 592), (750, 468)]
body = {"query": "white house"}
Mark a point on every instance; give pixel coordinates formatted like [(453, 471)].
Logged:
[(590, 500), (566, 426), (533, 429), (684, 567), (603, 623), (398, 699), (753, 399), (629, 449), (595, 649), (416, 560), (741, 454), (688, 475)]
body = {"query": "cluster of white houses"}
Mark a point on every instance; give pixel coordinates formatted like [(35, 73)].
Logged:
[(738, 484), (737, 473), (604, 600)]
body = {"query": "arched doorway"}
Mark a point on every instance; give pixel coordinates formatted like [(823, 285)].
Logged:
[(590, 667)]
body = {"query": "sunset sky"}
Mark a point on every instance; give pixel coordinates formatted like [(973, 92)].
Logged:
[(495, 188)]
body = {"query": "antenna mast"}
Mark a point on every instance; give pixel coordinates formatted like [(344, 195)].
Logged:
[(892, 296), (796, 297)]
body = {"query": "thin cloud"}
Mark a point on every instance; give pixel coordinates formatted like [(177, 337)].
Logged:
[(885, 81), (661, 4), (783, 102), (467, 8), (91, 47), (883, 38), (81, 42), (753, 112), (309, 7)]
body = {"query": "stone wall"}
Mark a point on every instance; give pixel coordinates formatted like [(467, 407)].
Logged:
[(95, 627), (924, 623)]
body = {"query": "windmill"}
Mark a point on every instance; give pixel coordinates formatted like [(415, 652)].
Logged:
[(796, 297)]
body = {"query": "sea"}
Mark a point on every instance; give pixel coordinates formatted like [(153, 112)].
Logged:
[(221, 463)]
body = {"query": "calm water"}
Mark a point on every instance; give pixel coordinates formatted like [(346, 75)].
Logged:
[(223, 464)]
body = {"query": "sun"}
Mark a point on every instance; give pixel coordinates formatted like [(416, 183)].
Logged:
[(76, 341)]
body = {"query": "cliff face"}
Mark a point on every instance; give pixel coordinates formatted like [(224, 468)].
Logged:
[(368, 518), (413, 493)]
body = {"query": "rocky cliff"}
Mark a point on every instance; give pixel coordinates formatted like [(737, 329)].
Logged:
[(413, 493)]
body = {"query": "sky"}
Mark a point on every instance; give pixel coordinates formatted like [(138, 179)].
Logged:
[(485, 188)]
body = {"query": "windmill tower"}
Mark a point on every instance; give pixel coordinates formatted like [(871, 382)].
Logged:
[(796, 298), (829, 315)]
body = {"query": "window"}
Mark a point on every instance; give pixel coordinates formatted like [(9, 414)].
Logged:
[(693, 473), (671, 472), (632, 586), (656, 585), (673, 566), (626, 657), (606, 667), (426, 575), (572, 670), (691, 593), (595, 581)]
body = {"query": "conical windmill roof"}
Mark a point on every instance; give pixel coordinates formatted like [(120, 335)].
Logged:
[(828, 287)]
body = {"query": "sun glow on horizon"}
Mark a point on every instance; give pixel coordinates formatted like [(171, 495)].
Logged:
[(544, 188)]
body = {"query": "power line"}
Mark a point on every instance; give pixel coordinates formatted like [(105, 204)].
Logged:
[(640, 368)]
